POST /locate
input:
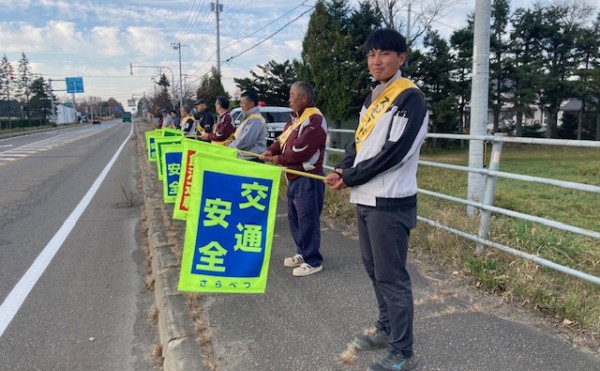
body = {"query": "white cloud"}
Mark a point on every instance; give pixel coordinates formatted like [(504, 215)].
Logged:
[(148, 41)]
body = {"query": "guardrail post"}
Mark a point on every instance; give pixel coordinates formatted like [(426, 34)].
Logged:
[(490, 193)]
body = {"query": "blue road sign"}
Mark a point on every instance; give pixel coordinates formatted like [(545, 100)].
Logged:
[(74, 84)]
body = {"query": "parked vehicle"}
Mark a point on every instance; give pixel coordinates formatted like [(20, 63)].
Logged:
[(275, 117)]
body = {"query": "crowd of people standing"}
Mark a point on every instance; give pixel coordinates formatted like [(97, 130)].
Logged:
[(379, 167)]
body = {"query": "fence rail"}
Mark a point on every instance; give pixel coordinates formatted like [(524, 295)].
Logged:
[(487, 205)]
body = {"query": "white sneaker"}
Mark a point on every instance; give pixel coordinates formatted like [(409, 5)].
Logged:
[(294, 261), (305, 270)]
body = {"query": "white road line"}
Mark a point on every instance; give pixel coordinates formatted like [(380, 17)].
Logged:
[(19, 293)]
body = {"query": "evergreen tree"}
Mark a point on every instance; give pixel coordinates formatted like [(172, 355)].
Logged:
[(461, 42), (588, 50), (40, 105), (557, 47), (272, 84), (211, 87), (326, 53), (362, 22), (524, 64), (24, 78), (434, 76), (498, 68)]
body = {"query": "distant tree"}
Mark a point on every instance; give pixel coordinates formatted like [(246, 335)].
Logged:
[(498, 66), (423, 14), (557, 47), (588, 50), (461, 42), (524, 64), (164, 83), (39, 103), (433, 73), (23, 82), (6, 78), (327, 55), (114, 107), (361, 23), (211, 87), (272, 83)]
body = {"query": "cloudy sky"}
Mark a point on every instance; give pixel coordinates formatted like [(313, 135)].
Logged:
[(98, 39)]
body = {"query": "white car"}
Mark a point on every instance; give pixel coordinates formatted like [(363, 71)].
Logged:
[(275, 117)]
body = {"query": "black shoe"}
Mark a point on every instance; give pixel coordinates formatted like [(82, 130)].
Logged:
[(394, 362), (373, 340)]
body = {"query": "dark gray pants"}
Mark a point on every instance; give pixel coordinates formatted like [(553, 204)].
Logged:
[(383, 236)]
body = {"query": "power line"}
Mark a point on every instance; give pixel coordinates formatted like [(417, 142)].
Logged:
[(270, 36)]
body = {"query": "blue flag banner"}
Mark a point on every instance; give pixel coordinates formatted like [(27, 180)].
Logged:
[(171, 169), (151, 144), (230, 225)]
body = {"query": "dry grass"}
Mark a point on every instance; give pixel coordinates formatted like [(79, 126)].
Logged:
[(515, 280), (349, 356), (153, 314), (202, 330)]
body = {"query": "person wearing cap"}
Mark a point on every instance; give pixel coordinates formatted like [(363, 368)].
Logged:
[(188, 124), (251, 134), (167, 120), (224, 127), (206, 119), (380, 167)]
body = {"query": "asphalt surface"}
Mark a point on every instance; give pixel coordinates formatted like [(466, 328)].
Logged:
[(88, 310), (306, 323)]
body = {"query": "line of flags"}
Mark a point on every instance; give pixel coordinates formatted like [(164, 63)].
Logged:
[(229, 206)]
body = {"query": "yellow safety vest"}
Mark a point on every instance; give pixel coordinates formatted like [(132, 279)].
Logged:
[(378, 108), (309, 111)]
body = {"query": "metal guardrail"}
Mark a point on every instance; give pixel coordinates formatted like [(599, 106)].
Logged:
[(486, 206)]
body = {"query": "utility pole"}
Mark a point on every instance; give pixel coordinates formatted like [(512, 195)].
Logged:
[(131, 66), (177, 46), (217, 8), (51, 100), (407, 36), (479, 99)]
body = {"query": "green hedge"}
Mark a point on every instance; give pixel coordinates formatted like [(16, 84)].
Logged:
[(20, 123)]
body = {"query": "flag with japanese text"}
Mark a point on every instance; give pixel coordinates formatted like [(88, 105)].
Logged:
[(160, 142), (151, 145), (171, 163), (167, 132), (230, 225), (190, 148)]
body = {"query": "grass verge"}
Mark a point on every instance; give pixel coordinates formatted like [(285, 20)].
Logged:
[(570, 300)]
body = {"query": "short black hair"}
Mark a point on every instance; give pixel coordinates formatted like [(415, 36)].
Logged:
[(223, 102), (252, 95), (386, 39)]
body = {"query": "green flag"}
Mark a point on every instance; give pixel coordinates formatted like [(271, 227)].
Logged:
[(191, 147), (151, 145), (160, 142), (171, 168), (230, 225), (168, 132)]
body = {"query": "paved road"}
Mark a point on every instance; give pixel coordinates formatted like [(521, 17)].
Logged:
[(88, 309)]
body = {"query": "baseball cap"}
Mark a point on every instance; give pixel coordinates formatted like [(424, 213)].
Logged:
[(200, 101)]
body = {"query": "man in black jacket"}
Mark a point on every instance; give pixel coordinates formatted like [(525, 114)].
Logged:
[(206, 119)]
